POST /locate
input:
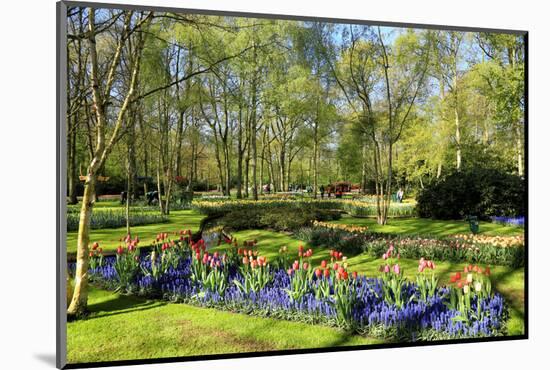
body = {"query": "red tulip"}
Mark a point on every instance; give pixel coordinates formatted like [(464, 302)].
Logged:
[(323, 263), (327, 273), (296, 265), (354, 274), (345, 275), (341, 270), (487, 271), (318, 273), (245, 260), (91, 254), (119, 250), (305, 265), (95, 245), (335, 267)]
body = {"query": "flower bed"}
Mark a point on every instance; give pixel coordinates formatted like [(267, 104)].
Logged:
[(241, 280), (108, 218), (509, 221), (353, 207), (497, 250)]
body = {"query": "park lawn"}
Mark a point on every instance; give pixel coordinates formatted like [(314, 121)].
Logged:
[(506, 280), (426, 226), (109, 239), (124, 327)]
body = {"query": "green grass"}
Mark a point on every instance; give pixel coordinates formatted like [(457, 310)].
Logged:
[(508, 281), (425, 226), (123, 327), (109, 239)]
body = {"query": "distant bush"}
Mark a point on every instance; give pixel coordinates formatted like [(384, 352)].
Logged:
[(278, 219), (480, 192)]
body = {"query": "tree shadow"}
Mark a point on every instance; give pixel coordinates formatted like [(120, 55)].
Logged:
[(121, 305)]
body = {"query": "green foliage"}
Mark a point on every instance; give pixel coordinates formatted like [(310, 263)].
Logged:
[(480, 192), (110, 218), (506, 251)]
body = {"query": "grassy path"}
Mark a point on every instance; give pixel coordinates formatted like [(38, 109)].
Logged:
[(123, 327)]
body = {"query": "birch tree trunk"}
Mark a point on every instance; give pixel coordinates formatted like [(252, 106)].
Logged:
[(78, 305)]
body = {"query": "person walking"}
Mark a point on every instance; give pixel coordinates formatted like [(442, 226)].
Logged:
[(400, 195)]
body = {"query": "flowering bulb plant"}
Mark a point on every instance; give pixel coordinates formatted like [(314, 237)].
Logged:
[(345, 295), (256, 274), (96, 256), (301, 276), (208, 270), (282, 261), (426, 281), (127, 262), (472, 286), (393, 282)]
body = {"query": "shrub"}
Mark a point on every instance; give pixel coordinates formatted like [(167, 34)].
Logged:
[(282, 218), (480, 192)]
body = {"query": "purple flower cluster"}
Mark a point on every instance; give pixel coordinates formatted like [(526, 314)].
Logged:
[(513, 221), (416, 320)]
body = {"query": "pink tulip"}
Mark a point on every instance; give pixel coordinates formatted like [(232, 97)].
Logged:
[(396, 268), (386, 269)]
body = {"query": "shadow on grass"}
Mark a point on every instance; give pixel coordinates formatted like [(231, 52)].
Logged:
[(120, 304)]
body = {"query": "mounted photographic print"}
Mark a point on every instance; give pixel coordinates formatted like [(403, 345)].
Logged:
[(235, 184)]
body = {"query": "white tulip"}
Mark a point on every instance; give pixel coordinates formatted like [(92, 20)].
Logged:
[(477, 286)]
